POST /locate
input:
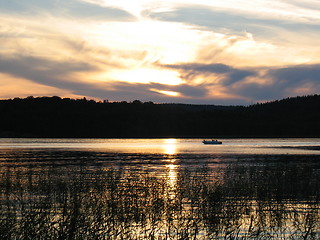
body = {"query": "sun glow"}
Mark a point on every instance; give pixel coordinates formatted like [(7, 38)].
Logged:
[(157, 40), (148, 75), (168, 93)]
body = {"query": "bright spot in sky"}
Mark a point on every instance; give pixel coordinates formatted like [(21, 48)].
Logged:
[(148, 75), (168, 93)]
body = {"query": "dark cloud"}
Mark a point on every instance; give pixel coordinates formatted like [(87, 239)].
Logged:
[(198, 67), (70, 8), (124, 91), (257, 92), (43, 71), (188, 91), (59, 75), (285, 82), (296, 75), (229, 75), (276, 83), (131, 91), (191, 91)]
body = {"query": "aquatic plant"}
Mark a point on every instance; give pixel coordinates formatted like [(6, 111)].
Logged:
[(238, 201)]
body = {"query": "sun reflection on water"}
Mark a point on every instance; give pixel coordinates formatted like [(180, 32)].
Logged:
[(172, 176), (170, 148)]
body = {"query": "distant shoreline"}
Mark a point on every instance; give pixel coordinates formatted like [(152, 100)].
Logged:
[(55, 117)]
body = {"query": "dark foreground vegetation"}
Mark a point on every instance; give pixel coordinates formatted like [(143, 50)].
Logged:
[(274, 197), (65, 117)]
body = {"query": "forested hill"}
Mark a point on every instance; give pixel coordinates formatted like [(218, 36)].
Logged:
[(64, 117)]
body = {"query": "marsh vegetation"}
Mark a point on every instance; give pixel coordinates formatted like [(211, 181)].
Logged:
[(93, 195)]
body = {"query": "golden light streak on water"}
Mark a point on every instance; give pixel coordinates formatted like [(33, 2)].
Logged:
[(172, 176)]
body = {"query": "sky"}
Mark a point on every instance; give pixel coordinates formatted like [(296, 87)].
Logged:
[(230, 52)]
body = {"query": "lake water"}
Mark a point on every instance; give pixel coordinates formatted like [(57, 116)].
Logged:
[(170, 146), (159, 189)]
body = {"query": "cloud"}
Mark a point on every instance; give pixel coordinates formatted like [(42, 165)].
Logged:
[(91, 11), (61, 75), (240, 86), (191, 91), (251, 84), (306, 4), (56, 74), (70, 8), (185, 90), (228, 75), (119, 91), (233, 21), (41, 70), (202, 51), (297, 74), (282, 82), (203, 17)]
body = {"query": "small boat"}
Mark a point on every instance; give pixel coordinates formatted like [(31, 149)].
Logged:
[(211, 142)]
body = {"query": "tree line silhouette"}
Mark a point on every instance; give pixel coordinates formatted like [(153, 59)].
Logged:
[(65, 117)]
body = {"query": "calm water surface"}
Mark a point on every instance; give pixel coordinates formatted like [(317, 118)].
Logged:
[(159, 189), (171, 146)]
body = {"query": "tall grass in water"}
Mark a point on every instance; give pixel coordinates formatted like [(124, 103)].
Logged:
[(245, 203)]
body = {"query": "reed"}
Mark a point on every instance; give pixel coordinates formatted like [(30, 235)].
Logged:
[(244, 202)]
